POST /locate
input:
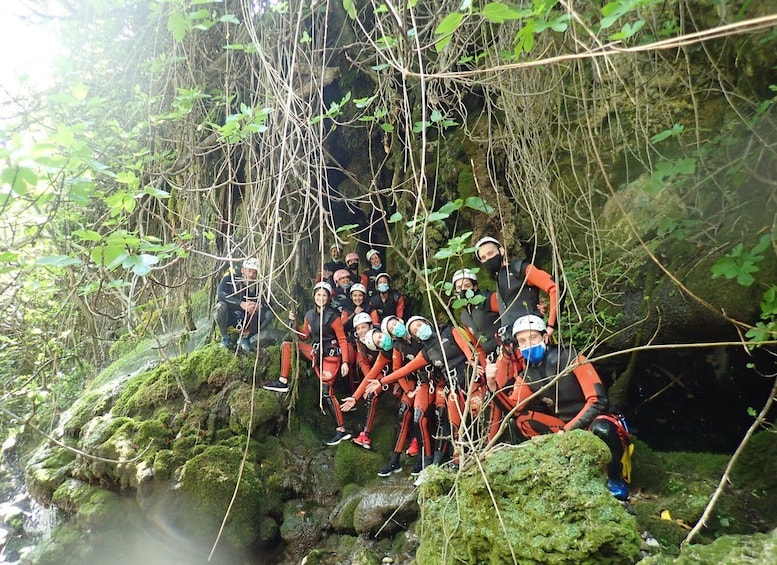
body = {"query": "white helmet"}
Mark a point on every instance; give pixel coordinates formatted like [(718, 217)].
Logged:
[(530, 322), (464, 274), (367, 340), (251, 263), (325, 285), (415, 319), (372, 252), (361, 318), (386, 320), (358, 286), (482, 241)]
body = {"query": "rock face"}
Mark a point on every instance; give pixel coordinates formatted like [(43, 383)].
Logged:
[(543, 501)]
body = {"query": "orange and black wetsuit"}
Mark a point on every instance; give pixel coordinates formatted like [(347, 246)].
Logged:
[(578, 400), (391, 303), (518, 285), (450, 353), (328, 350)]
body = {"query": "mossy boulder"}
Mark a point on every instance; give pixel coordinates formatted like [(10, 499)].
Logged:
[(756, 549), (117, 447), (47, 470), (146, 392), (257, 411), (355, 465), (384, 510), (198, 502), (543, 501), (93, 506)]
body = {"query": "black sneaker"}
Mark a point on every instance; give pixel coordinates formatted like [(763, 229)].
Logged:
[(417, 467), (339, 436), (390, 468), (277, 386)]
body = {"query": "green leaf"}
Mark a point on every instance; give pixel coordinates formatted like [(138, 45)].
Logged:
[(21, 179), (395, 217), (140, 264), (445, 253), (350, 8), (58, 261), (156, 192), (438, 216), (364, 102), (477, 203), (346, 227), (8, 256), (179, 25), (628, 30), (229, 19), (446, 27), (686, 166), (387, 127), (87, 235), (498, 13), (450, 207), (675, 130)]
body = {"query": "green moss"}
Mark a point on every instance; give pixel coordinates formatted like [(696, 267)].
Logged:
[(166, 462), (757, 549), (553, 508), (47, 470), (146, 392), (86, 408), (256, 412), (354, 464), (206, 487)]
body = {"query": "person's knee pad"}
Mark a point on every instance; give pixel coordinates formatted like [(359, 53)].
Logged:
[(403, 407), (605, 430)]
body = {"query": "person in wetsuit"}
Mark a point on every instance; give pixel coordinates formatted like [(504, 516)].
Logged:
[(576, 400)]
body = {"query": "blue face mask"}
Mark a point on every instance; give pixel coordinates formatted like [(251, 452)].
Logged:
[(424, 332), (534, 354), (378, 266), (383, 287), (386, 344), (400, 330)]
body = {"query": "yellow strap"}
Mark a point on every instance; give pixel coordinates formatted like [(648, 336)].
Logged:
[(626, 462)]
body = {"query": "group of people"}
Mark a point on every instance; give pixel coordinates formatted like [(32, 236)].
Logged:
[(499, 366)]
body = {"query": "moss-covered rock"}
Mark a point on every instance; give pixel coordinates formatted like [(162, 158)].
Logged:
[(303, 526), (384, 510), (756, 549), (47, 470), (544, 501), (256, 412), (198, 501), (355, 465)]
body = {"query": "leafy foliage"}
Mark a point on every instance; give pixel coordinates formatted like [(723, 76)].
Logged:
[(741, 263)]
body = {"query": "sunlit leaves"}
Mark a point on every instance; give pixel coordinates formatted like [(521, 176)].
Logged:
[(58, 261), (613, 11), (498, 13), (674, 131), (667, 171), (446, 29), (119, 202), (741, 263), (350, 8), (20, 179)]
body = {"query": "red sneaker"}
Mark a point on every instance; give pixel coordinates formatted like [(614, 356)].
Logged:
[(412, 450), (364, 440)]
